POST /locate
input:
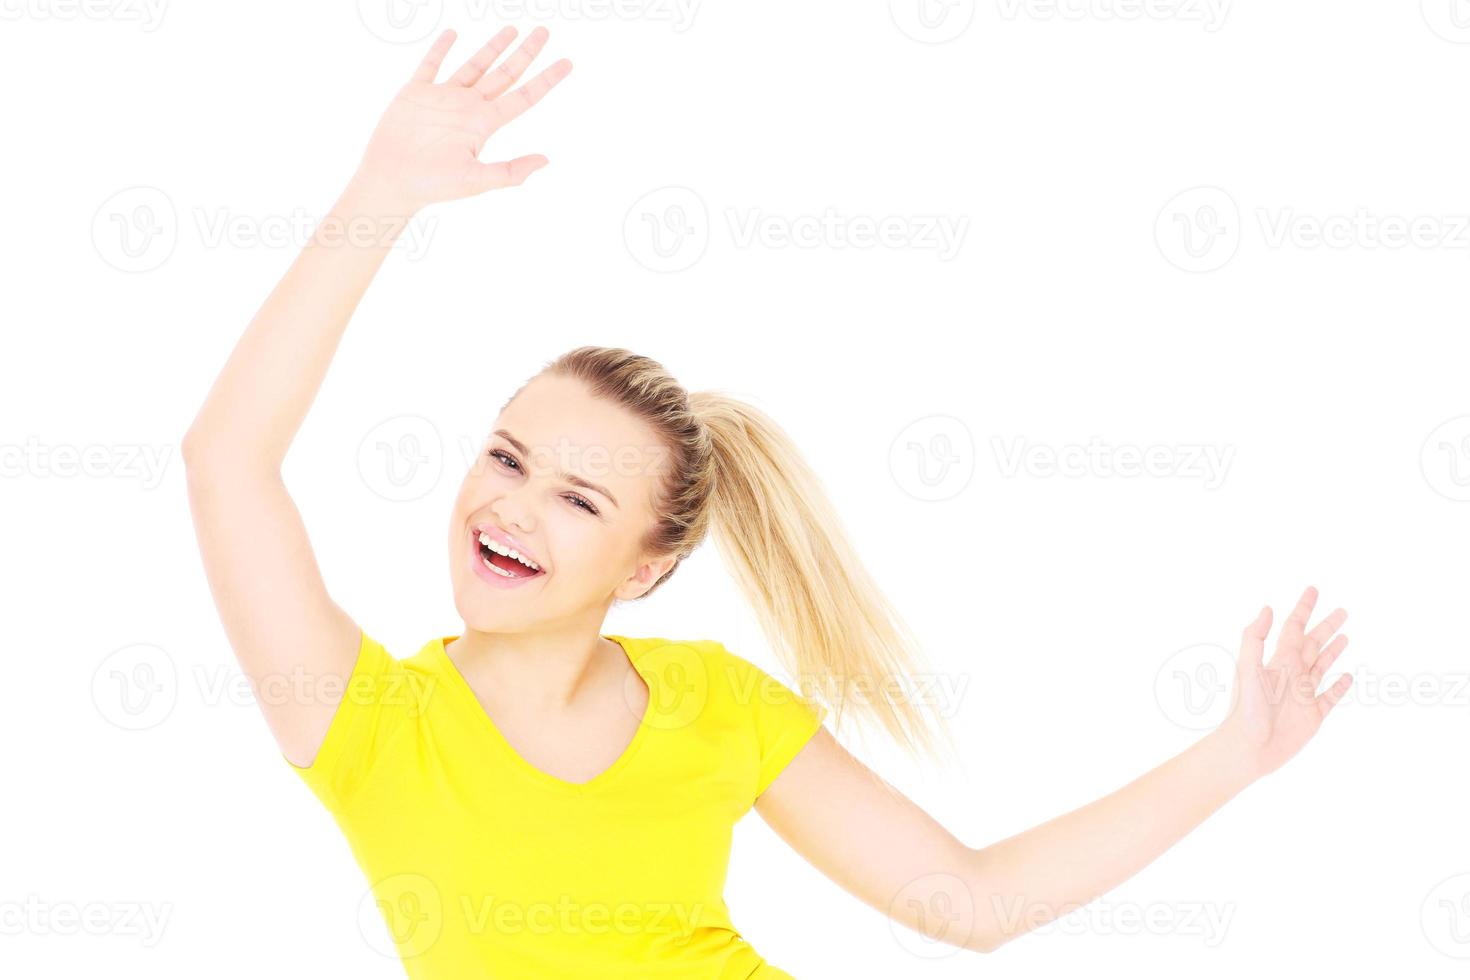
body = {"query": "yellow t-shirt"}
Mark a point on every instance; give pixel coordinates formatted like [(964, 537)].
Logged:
[(484, 866)]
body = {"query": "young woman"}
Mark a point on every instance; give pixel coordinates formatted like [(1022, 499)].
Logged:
[(532, 798)]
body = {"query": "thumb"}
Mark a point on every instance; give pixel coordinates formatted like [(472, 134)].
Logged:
[(490, 176), (1253, 639)]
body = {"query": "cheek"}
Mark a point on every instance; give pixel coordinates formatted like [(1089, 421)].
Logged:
[(479, 488), (583, 551)]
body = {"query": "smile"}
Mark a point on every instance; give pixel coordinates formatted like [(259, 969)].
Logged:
[(500, 564)]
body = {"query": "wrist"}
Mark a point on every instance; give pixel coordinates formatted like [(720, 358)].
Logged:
[(368, 197), (364, 216), (1230, 758)]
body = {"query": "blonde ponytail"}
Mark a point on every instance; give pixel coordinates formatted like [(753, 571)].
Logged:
[(782, 541)]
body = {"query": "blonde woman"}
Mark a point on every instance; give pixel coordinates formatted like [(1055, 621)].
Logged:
[(534, 799)]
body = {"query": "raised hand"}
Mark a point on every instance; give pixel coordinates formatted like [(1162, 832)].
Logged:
[(1275, 708), (426, 146)]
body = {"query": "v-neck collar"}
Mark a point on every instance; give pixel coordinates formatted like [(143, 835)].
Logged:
[(458, 683)]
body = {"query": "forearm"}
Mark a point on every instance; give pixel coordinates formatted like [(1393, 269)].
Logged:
[(262, 394), (1043, 873)]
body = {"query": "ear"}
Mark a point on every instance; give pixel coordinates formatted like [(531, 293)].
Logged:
[(643, 578)]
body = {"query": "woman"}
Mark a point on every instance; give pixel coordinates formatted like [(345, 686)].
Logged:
[(533, 798)]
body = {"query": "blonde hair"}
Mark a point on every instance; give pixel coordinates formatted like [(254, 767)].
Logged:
[(735, 473)]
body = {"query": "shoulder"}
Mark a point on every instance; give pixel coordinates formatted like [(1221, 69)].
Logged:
[(701, 676), (397, 681), (730, 682), (718, 664)]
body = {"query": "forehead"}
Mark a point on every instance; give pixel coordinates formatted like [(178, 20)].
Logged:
[(567, 429)]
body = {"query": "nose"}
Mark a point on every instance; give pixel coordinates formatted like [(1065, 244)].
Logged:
[(514, 510)]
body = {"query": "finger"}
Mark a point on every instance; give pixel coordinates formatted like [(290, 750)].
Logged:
[(1323, 663), (505, 174), (1296, 623), (429, 67), (1334, 694), (512, 104), (1321, 633), (1293, 629), (484, 58), (512, 68), (1253, 638)]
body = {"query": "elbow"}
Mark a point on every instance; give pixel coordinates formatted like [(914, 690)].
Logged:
[(986, 932), (208, 454), (194, 445), (981, 941), (189, 447), (953, 907)]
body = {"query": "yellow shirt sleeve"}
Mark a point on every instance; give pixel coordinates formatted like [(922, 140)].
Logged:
[(784, 722), (377, 706)]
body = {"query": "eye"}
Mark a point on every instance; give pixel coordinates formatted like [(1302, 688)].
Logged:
[(580, 502), (507, 460)]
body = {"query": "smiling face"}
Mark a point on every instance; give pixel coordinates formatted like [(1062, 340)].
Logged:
[(567, 481)]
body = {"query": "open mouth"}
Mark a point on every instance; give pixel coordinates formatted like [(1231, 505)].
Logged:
[(506, 562)]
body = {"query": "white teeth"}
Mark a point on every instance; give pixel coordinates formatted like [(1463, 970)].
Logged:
[(497, 571), (501, 549)]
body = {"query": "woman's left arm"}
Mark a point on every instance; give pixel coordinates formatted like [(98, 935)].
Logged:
[(882, 848)]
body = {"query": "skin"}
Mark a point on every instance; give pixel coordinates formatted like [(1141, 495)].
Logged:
[(570, 714), (829, 807), (534, 655)]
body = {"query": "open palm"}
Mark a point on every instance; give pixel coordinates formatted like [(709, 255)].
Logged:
[(426, 147), (1275, 708)]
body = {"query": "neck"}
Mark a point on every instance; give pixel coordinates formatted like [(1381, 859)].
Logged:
[(546, 668)]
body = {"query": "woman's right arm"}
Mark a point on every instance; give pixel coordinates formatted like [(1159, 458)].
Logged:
[(275, 609)]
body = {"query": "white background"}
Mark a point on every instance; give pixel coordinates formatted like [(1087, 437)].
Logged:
[(1272, 318)]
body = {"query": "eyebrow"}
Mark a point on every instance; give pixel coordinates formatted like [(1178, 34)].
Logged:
[(571, 478)]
